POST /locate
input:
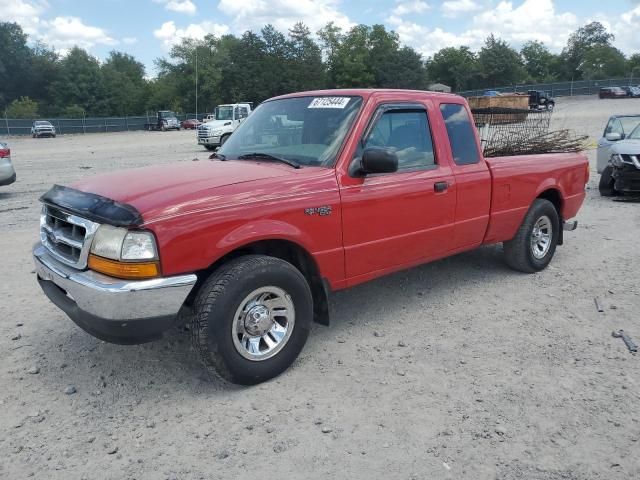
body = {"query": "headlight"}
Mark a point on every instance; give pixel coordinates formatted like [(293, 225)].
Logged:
[(216, 133), (121, 244), (121, 253), (107, 241), (138, 246), (616, 160)]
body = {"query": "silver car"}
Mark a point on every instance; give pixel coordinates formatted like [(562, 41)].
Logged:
[(7, 173), (618, 127)]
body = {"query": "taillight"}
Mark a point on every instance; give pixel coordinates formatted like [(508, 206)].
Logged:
[(586, 173), (5, 152)]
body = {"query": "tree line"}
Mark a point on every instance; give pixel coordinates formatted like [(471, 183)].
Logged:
[(37, 81)]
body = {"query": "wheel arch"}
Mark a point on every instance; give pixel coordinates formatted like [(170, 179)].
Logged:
[(554, 196), (286, 250)]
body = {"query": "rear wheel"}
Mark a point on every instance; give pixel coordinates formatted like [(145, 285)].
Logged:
[(251, 319), (534, 244), (607, 183)]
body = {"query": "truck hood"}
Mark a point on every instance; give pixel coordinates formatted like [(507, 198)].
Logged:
[(217, 124), (168, 190), (626, 147)]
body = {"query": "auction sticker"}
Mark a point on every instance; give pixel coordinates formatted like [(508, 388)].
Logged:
[(329, 102)]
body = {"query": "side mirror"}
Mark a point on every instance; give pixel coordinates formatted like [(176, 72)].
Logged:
[(613, 136), (377, 160)]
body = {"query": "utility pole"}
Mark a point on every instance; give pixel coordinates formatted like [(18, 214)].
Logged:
[(196, 80)]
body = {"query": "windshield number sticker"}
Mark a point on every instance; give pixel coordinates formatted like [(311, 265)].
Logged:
[(329, 102)]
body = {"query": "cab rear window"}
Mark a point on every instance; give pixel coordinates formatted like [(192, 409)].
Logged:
[(461, 134)]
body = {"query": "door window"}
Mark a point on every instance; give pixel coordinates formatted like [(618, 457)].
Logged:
[(462, 135), (614, 126), (407, 134)]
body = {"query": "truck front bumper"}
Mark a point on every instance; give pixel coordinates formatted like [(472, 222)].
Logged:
[(212, 141), (111, 309), (627, 179)]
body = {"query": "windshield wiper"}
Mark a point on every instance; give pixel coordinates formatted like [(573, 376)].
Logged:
[(268, 156), (217, 155)]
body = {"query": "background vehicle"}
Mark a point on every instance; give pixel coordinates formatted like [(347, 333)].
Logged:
[(490, 93), (7, 173), (617, 128), (226, 119), (539, 99), (42, 128), (632, 91), (622, 174), (165, 120), (190, 123), (611, 92), (315, 192)]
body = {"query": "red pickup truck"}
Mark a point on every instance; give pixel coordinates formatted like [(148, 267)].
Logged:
[(314, 192)]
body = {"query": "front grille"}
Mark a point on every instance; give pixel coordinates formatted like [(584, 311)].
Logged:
[(631, 159), (66, 236), (203, 132)]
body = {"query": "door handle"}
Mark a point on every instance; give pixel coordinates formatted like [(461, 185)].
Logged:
[(440, 186)]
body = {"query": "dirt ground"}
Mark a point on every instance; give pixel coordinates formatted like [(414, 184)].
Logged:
[(460, 369)]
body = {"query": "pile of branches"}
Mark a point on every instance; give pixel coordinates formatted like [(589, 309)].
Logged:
[(557, 141)]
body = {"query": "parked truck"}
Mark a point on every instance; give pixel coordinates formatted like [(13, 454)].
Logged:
[(213, 133), (165, 120), (315, 192)]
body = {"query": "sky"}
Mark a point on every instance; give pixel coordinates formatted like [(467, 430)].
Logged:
[(146, 29)]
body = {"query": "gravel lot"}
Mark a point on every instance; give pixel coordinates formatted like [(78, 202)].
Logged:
[(461, 369)]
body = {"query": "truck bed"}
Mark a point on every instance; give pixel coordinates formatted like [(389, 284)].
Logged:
[(519, 179)]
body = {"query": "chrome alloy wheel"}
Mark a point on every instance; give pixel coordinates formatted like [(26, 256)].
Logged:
[(541, 237), (263, 323)]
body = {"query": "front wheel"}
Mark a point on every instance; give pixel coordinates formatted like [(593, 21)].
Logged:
[(224, 139), (251, 318), (534, 244), (606, 187)]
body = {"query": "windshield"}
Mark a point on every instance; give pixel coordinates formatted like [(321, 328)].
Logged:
[(167, 115), (629, 123), (307, 130), (43, 124), (635, 134), (224, 113)]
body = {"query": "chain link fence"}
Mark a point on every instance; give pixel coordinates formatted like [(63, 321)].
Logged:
[(17, 126), (560, 89)]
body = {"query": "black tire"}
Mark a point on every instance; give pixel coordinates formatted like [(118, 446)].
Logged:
[(209, 147), (607, 182), (217, 302), (519, 251), (224, 138)]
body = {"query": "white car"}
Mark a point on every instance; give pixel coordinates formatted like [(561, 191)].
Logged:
[(7, 173), (618, 127)]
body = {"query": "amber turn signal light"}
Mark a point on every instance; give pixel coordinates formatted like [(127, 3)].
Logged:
[(126, 270)]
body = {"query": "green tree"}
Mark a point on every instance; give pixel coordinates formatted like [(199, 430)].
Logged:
[(15, 59), (499, 63), (456, 67), (124, 84), (633, 66), (603, 61), (73, 111), (307, 68), (44, 71), (80, 83), (539, 62), (24, 107), (580, 42)]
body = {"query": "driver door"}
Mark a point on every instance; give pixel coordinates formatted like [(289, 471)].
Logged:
[(399, 219)]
